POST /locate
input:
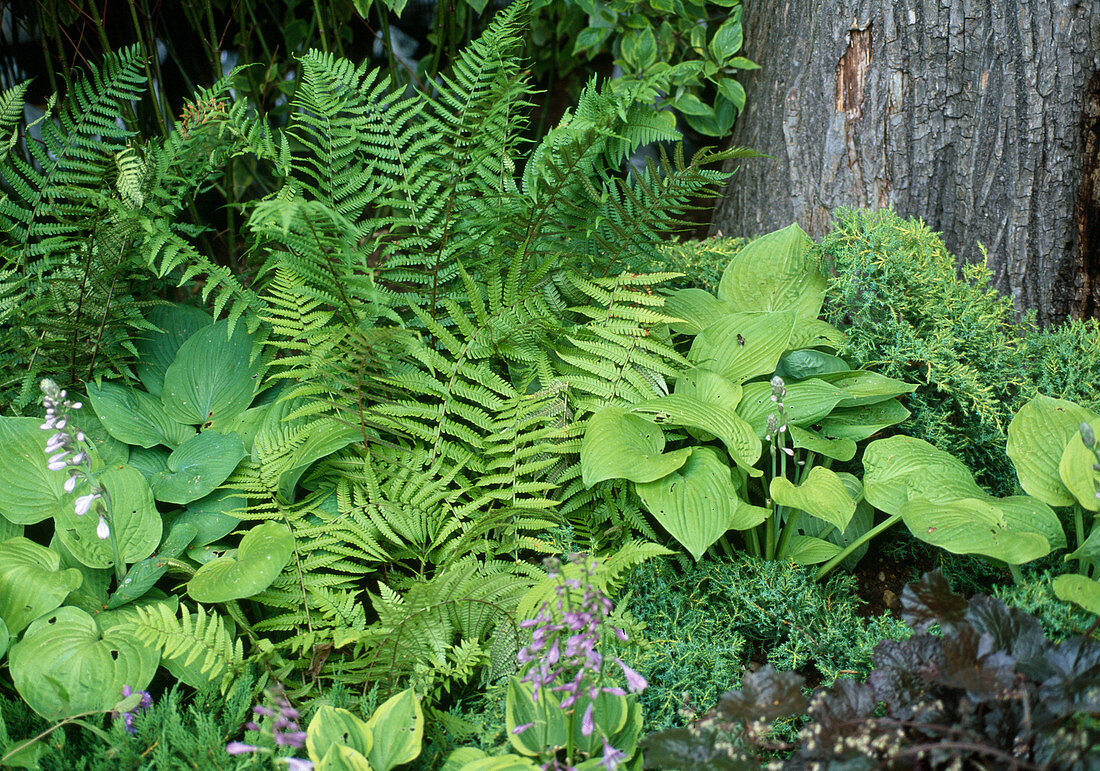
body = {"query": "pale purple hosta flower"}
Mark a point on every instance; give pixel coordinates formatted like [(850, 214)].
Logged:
[(279, 724), (240, 748), (611, 756), (634, 682), (128, 717)]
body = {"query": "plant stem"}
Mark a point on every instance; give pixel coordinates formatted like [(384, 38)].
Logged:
[(1017, 576), (881, 527)]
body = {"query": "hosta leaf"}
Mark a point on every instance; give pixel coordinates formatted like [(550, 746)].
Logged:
[(198, 466), (743, 345), (31, 582), (157, 350), (399, 724), (865, 387), (821, 494), (549, 725), (212, 377), (1076, 472), (135, 522), (838, 449), (619, 445), (863, 422), (212, 516), (332, 727), (30, 492), (806, 403), (972, 526), (64, 666), (1080, 590), (806, 363), (809, 550), (899, 468), (135, 417), (1037, 438), (264, 551), (697, 308), (774, 273), (696, 504)]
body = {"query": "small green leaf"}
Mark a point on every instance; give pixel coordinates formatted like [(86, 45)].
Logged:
[(865, 387), (332, 727), (837, 449), (263, 553), (1076, 472), (1079, 590), (400, 721), (808, 550), (806, 403), (727, 40), (863, 422), (733, 91), (549, 727), (619, 445)]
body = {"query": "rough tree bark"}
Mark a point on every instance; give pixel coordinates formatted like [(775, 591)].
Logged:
[(980, 116)]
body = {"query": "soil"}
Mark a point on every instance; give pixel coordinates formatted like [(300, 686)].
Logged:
[(881, 576)]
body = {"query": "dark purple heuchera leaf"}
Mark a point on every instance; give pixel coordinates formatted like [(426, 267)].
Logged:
[(971, 662), (764, 695), (841, 706), (905, 672), (931, 601), (1013, 631), (692, 750), (1072, 683)]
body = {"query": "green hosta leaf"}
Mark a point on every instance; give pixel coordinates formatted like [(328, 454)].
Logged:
[(157, 350), (1079, 590), (63, 665), (149, 461), (473, 759), (399, 724), (864, 387), (142, 575), (1024, 513), (341, 758), (109, 450), (802, 364), (30, 492), (263, 553), (808, 550), (135, 523), (697, 308), (135, 417), (774, 273), (972, 526), (31, 582), (1076, 472), (743, 345), (95, 583), (838, 449), (331, 727), (1089, 550), (696, 504), (198, 466), (212, 377), (1037, 438), (811, 333), (806, 403), (618, 445), (5, 639), (705, 400), (212, 516), (901, 468), (822, 494), (550, 725), (325, 437), (863, 422)]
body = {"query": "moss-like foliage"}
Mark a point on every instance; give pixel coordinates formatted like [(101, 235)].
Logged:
[(1064, 362), (701, 262), (704, 625), (1060, 620)]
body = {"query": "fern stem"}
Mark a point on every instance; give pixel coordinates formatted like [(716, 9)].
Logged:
[(321, 26), (155, 85)]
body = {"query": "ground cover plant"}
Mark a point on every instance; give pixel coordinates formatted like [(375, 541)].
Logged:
[(418, 448)]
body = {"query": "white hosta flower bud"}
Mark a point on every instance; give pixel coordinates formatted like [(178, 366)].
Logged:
[(83, 503), (102, 530)]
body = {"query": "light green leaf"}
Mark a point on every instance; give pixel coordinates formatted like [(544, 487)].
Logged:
[(774, 273), (198, 466), (212, 516), (30, 492), (399, 725), (331, 727), (707, 401), (698, 309), (695, 504), (1079, 590), (135, 417), (901, 468), (806, 403), (63, 665), (727, 40), (743, 345), (863, 422), (866, 387), (31, 582), (972, 526), (837, 449), (1076, 472), (135, 522), (212, 377), (806, 363), (550, 727), (618, 445), (157, 350), (808, 550), (733, 91), (822, 494), (263, 553), (1037, 438), (149, 461)]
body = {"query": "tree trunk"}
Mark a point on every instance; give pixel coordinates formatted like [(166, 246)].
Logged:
[(980, 116)]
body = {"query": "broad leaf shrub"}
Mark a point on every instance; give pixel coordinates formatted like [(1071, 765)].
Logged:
[(701, 626), (976, 685)]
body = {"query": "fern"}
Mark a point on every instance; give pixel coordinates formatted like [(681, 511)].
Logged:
[(194, 645)]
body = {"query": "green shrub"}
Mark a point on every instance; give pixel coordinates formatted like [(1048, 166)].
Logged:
[(1063, 362), (909, 314), (703, 625), (701, 262), (1060, 620)]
